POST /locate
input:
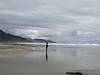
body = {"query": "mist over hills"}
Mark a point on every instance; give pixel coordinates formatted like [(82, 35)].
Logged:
[(9, 38)]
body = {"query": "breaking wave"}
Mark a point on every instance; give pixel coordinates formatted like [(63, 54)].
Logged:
[(61, 44)]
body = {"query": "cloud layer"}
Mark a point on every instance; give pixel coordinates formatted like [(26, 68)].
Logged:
[(53, 19)]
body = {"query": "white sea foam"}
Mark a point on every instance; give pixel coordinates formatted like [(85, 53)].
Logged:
[(61, 44)]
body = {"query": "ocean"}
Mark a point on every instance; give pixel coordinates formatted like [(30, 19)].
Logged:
[(31, 59)]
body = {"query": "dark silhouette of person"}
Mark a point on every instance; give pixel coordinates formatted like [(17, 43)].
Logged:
[(46, 51), (46, 47)]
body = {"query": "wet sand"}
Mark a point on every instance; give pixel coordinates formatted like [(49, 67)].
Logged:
[(31, 60)]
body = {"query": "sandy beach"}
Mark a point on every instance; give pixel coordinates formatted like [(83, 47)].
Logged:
[(31, 60)]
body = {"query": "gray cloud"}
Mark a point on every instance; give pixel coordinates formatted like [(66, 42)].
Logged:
[(51, 18)]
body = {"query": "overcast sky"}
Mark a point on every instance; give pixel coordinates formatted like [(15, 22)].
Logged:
[(51, 19)]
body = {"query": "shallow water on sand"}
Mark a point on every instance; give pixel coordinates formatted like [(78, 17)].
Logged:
[(27, 59)]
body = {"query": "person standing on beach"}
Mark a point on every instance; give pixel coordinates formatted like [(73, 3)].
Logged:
[(46, 47), (46, 51)]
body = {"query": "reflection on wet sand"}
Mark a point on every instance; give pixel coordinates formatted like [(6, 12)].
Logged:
[(46, 57)]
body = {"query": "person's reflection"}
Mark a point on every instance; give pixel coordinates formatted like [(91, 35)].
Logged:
[(46, 57), (46, 51)]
